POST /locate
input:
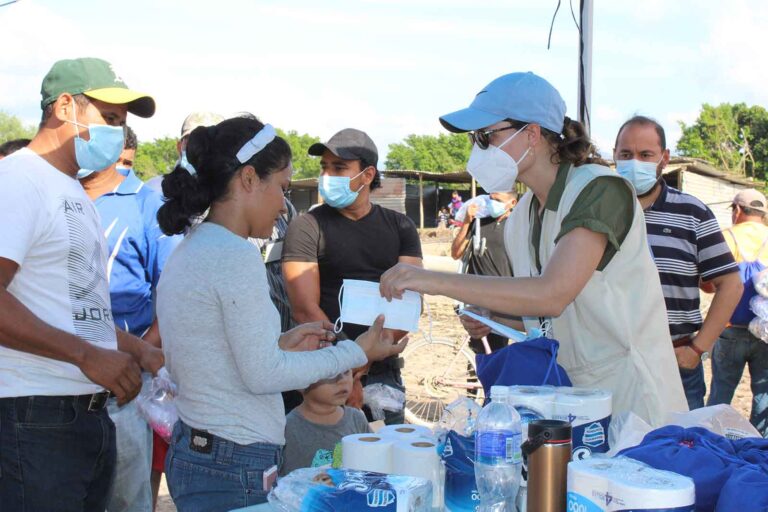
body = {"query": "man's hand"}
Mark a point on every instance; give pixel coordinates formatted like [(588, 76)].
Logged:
[(309, 336), (687, 358), (116, 371), (151, 358), (475, 328), (379, 343)]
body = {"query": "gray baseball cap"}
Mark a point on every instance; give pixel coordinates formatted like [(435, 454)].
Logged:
[(349, 144)]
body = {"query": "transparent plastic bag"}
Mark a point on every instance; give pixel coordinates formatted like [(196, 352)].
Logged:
[(329, 490), (626, 431), (759, 306), (761, 283), (721, 419), (759, 328), (380, 397), (459, 416), (157, 406)]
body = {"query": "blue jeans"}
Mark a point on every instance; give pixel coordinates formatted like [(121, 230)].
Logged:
[(694, 386), (735, 348), (218, 474), (54, 455), (131, 491)]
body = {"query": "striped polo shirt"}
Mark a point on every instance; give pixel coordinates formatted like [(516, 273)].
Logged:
[(687, 244)]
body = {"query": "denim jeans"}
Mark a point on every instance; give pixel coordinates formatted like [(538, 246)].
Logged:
[(131, 491), (735, 348), (694, 386), (227, 476), (54, 455)]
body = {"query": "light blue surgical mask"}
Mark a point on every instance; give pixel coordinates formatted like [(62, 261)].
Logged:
[(102, 149), (496, 208), (336, 192), (641, 174)]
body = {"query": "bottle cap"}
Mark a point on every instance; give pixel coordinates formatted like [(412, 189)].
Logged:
[(499, 392)]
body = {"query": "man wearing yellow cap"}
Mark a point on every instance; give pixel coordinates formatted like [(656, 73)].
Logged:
[(60, 355)]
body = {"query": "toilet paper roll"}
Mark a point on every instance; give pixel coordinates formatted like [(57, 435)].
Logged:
[(589, 412), (532, 403), (367, 452), (624, 484), (419, 458), (406, 431)]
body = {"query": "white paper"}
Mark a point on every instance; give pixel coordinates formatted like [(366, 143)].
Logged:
[(498, 328)]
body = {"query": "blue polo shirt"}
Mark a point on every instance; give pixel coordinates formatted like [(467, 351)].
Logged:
[(138, 249)]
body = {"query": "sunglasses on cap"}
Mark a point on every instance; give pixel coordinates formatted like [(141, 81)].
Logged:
[(483, 137)]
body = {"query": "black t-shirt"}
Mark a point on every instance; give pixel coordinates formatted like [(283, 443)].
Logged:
[(349, 249), (492, 261)]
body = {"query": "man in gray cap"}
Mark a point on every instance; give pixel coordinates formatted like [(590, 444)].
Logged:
[(347, 237), (736, 347)]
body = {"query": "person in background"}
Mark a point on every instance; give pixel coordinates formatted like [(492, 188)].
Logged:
[(483, 249), (576, 241), (11, 146), (59, 348), (687, 247), (456, 203), (137, 252), (736, 346), (191, 122), (314, 429), (443, 217), (220, 330), (347, 237)]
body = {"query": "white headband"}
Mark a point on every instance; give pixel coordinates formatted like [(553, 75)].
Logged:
[(256, 144)]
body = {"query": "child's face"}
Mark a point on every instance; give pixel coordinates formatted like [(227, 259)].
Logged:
[(333, 391)]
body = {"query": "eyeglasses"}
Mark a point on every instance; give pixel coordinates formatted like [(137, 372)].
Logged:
[(483, 137)]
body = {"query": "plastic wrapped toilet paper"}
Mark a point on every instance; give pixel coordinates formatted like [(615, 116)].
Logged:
[(418, 457), (532, 403), (406, 431), (620, 484), (332, 490), (367, 452), (589, 412)]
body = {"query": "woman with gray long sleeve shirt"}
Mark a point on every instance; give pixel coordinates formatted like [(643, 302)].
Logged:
[(221, 332)]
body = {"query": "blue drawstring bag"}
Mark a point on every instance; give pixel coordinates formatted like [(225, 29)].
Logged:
[(753, 450), (745, 491), (525, 363), (708, 458)]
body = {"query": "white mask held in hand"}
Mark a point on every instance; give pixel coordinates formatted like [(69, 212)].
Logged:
[(493, 168), (360, 302)]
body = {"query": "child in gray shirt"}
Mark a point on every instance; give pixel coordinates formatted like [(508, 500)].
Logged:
[(315, 428)]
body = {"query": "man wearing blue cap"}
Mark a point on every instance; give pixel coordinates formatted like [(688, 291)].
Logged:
[(577, 242), (60, 355)]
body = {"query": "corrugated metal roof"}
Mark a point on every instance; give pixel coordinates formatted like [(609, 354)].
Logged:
[(439, 177)]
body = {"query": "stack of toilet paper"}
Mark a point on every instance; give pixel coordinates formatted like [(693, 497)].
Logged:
[(400, 450), (587, 410), (609, 485)]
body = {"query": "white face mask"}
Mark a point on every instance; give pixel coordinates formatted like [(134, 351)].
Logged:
[(363, 303), (641, 174), (493, 168)]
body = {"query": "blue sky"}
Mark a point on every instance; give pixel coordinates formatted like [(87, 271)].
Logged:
[(389, 67)]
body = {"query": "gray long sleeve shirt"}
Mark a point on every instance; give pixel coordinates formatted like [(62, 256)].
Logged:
[(220, 332)]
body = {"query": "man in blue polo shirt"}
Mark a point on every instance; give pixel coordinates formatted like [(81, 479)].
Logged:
[(137, 252), (688, 248)]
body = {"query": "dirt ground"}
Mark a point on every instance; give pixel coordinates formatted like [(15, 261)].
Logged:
[(445, 325)]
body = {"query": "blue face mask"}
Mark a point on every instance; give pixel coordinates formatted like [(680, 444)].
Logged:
[(641, 174), (336, 192), (102, 149), (496, 208)]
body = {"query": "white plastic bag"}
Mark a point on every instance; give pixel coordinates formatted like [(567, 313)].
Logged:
[(380, 397), (759, 328), (761, 282), (626, 430), (156, 404), (721, 419), (759, 306)]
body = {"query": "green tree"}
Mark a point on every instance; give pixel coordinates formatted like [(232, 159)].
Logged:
[(732, 136), (155, 158), (442, 153), (12, 128), (304, 166)]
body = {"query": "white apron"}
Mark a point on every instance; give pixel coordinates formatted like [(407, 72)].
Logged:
[(614, 335)]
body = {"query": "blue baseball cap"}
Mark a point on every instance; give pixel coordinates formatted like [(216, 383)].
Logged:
[(522, 97)]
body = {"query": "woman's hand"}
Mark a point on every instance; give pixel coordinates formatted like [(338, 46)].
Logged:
[(402, 277), (309, 336), (379, 343)]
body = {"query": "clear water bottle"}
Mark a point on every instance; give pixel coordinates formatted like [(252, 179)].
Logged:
[(498, 458)]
